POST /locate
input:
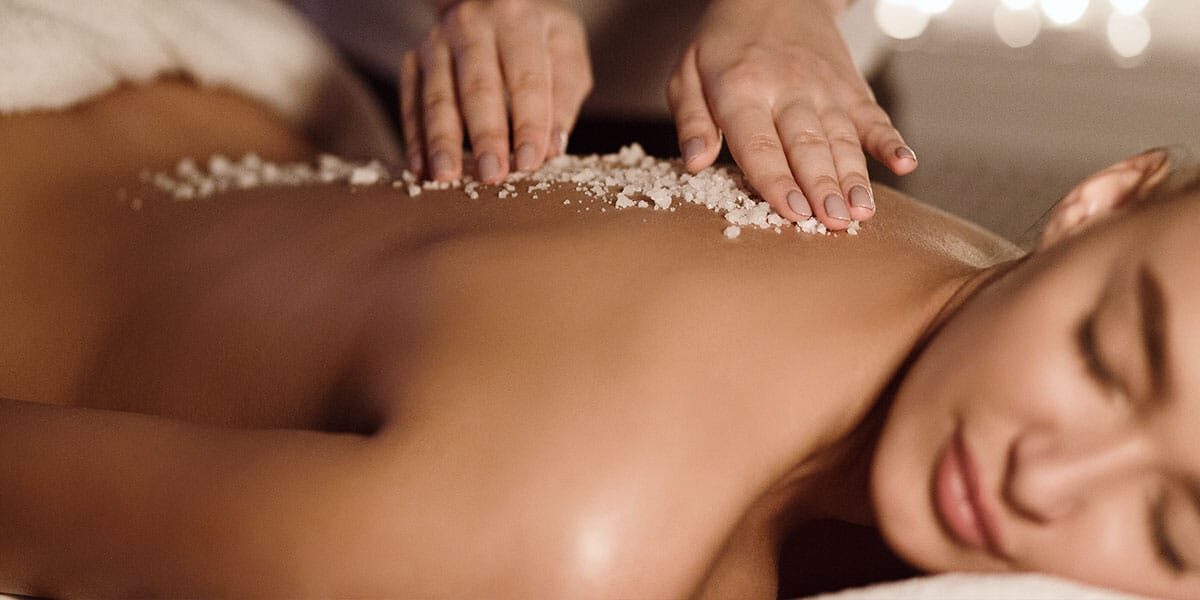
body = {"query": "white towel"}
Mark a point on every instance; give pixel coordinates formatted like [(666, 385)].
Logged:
[(55, 53), (978, 586)]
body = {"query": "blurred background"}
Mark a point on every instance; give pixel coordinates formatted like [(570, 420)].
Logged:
[(1009, 102), (1006, 102)]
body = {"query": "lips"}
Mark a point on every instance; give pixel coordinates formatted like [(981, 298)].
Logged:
[(961, 505)]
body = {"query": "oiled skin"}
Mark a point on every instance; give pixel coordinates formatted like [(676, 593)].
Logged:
[(358, 392)]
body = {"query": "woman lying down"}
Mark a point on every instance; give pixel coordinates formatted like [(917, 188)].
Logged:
[(359, 390)]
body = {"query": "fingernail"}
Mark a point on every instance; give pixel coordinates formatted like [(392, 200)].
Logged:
[(558, 141), (799, 203), (415, 164), (861, 197), (692, 148), (526, 157), (489, 168), (442, 165), (835, 207), (906, 152)]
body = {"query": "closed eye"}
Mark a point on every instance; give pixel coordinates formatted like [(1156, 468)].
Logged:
[(1085, 337)]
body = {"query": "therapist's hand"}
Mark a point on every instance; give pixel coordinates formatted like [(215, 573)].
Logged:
[(481, 59), (775, 77)]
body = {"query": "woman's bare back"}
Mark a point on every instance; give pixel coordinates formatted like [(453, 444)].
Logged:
[(627, 391)]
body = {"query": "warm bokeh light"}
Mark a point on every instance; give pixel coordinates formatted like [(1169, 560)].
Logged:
[(900, 19), (1017, 4), (1129, 7), (932, 7), (1129, 35), (1017, 28), (1064, 12)]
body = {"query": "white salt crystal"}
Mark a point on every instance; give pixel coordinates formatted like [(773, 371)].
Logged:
[(218, 164), (733, 231), (364, 176)]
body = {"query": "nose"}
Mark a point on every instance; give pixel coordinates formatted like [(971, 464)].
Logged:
[(1050, 477)]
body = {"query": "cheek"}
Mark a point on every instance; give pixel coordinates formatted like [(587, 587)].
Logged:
[(1106, 543), (994, 371)]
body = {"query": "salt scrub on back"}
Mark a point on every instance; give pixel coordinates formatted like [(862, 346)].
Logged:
[(623, 180), (630, 178)]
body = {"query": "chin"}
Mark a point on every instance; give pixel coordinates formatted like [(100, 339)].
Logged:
[(906, 529), (901, 485)]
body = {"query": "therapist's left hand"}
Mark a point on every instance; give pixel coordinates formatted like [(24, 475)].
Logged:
[(775, 77)]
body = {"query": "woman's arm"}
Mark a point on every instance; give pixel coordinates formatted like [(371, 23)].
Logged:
[(99, 503)]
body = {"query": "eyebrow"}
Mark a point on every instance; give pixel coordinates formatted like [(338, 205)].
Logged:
[(1154, 334)]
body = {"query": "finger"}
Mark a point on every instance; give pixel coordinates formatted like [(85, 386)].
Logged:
[(699, 139), (880, 138), (480, 88), (811, 159), (410, 111), (755, 146), (526, 61), (850, 164), (570, 82), (439, 105)]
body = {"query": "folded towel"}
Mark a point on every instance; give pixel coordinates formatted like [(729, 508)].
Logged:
[(55, 54)]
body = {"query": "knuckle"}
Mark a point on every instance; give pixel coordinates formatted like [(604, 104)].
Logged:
[(586, 82), (440, 141), (693, 119), (776, 180), (527, 80), (741, 76), (488, 138), (463, 15), (513, 8), (437, 99), (673, 86), (824, 181), (761, 143), (530, 130), (843, 137), (478, 84), (808, 138)]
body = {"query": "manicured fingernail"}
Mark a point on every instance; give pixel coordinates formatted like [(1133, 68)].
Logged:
[(558, 141), (835, 207), (489, 168), (861, 197), (442, 165), (799, 203), (526, 157), (906, 152), (692, 149)]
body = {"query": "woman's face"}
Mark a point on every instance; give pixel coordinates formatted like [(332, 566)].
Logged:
[(1053, 424)]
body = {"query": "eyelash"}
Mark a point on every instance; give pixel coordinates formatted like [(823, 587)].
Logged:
[(1099, 371), (1158, 534)]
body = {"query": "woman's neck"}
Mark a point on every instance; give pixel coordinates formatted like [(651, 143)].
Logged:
[(833, 482)]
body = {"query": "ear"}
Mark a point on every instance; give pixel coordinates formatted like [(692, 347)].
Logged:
[(1103, 193)]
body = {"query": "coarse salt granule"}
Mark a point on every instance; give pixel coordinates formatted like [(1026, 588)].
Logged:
[(624, 180)]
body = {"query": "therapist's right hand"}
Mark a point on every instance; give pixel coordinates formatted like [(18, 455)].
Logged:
[(480, 60)]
